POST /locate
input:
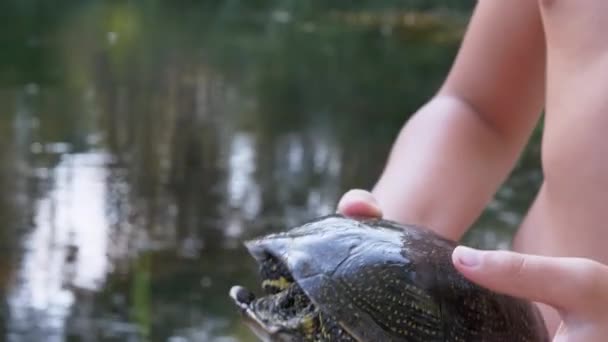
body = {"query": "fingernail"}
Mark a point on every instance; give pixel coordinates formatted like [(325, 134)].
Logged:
[(466, 256)]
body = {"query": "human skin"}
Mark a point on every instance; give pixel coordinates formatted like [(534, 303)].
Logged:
[(575, 287), (517, 57)]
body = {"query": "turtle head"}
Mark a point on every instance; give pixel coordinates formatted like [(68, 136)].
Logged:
[(261, 322), (283, 312)]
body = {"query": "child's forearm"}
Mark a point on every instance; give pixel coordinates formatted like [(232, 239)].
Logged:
[(445, 166)]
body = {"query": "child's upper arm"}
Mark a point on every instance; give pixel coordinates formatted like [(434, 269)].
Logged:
[(500, 68)]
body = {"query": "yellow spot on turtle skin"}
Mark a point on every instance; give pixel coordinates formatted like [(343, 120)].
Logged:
[(323, 330), (280, 283), (308, 325)]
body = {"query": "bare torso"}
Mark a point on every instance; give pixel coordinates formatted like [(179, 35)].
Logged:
[(569, 216), (570, 213)]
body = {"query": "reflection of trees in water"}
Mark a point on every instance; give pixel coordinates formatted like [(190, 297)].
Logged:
[(334, 90), (279, 116), (166, 141), (167, 189), (8, 230), (26, 156), (368, 84), (32, 142)]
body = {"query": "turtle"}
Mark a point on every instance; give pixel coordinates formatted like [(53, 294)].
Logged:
[(347, 279)]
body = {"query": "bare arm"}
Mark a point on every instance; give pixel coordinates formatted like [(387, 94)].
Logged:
[(450, 158)]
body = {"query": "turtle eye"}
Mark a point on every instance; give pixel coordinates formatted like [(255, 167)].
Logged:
[(273, 268)]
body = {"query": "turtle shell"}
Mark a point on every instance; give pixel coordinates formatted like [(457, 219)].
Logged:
[(382, 281)]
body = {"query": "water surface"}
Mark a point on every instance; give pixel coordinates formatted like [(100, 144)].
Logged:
[(140, 143)]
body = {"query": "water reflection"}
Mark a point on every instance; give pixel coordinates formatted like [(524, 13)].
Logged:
[(66, 249), (145, 141)]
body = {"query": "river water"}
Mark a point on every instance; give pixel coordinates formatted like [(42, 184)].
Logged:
[(142, 142)]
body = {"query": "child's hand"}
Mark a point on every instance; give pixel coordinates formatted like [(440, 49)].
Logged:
[(358, 202), (576, 287)]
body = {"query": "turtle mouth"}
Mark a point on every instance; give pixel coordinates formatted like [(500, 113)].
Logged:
[(283, 312), (275, 275)]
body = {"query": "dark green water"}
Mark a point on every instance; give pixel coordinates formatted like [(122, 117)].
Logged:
[(141, 142)]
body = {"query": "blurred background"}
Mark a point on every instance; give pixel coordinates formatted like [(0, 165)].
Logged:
[(142, 141)]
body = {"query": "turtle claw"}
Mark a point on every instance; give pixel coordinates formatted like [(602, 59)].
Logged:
[(241, 296)]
